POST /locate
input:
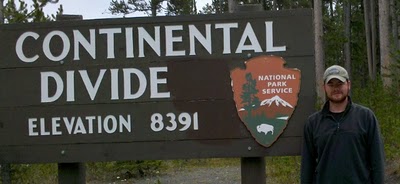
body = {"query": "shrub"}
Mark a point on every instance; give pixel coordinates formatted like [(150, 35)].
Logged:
[(111, 171)]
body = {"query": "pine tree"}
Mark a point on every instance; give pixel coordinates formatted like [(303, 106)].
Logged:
[(249, 98), (22, 14)]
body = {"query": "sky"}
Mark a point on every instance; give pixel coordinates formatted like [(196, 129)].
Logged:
[(94, 9)]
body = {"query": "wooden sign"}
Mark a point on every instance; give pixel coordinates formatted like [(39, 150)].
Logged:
[(144, 88)]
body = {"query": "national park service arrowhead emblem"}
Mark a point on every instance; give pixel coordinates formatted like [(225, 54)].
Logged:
[(265, 95)]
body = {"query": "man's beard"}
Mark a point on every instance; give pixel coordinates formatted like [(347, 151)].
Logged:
[(337, 100)]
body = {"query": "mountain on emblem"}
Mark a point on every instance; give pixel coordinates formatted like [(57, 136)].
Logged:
[(265, 77), (278, 101)]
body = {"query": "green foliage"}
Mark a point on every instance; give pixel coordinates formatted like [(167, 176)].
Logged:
[(290, 4), (209, 162), (13, 14), (386, 104), (34, 173), (153, 7), (112, 171), (120, 7), (216, 6), (181, 7), (23, 14), (395, 70), (99, 171), (283, 169), (333, 36)]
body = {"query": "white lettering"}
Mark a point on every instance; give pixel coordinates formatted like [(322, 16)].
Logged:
[(114, 84), (277, 91), (90, 120), (154, 43), (46, 45), (79, 125), (226, 27), (19, 47), (89, 46), (55, 125), (154, 81), (129, 42), (170, 40), (127, 83), (92, 90), (79, 128), (69, 124), (113, 124), (110, 32), (249, 33), (32, 126), (125, 122), (205, 41), (179, 40), (269, 31), (42, 127), (44, 87), (70, 86)]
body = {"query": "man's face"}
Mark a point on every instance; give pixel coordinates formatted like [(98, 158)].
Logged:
[(336, 90)]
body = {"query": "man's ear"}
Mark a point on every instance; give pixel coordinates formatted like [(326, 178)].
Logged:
[(349, 83), (323, 86)]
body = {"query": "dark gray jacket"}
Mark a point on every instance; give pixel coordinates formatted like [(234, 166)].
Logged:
[(349, 150)]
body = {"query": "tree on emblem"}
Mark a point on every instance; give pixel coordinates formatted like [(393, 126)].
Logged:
[(249, 98)]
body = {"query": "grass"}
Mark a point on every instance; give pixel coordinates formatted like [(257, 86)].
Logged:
[(283, 169)]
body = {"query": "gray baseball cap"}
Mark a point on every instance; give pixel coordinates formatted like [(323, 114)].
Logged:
[(336, 72)]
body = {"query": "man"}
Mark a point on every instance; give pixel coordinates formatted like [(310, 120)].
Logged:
[(342, 142)]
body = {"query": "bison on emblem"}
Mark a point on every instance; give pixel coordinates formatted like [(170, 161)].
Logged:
[(265, 128)]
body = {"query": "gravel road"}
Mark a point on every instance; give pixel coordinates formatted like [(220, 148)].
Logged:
[(210, 175), (222, 175)]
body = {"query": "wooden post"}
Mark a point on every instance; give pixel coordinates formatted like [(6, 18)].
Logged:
[(71, 173), (253, 170), (6, 173)]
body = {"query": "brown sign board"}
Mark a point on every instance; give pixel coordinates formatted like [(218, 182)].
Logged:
[(143, 88)]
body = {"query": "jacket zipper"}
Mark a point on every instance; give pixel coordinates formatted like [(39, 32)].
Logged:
[(338, 122), (338, 127)]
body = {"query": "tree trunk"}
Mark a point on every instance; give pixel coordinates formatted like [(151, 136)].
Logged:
[(331, 8), (395, 33), (347, 33), (154, 4), (232, 6), (1, 12), (275, 5), (373, 38), (319, 50), (384, 37), (368, 39)]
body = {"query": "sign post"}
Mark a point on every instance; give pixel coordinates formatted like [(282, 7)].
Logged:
[(71, 173), (5, 173), (253, 170), (156, 88)]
